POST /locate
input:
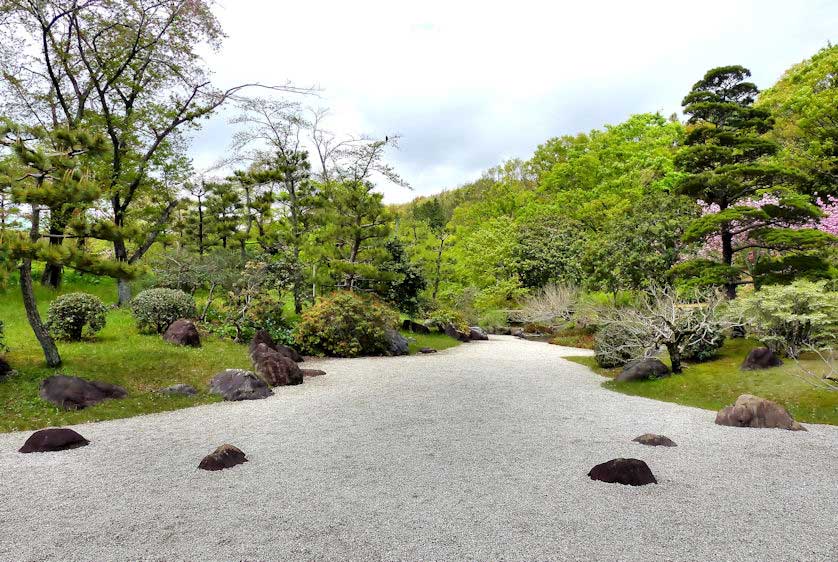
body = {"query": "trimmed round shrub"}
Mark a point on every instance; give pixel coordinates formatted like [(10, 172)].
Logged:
[(346, 324), (75, 314), (615, 345), (155, 309)]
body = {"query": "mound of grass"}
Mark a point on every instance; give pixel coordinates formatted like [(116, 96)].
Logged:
[(119, 355), (718, 383)]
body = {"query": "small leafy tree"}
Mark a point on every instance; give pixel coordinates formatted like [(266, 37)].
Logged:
[(407, 282), (788, 318)]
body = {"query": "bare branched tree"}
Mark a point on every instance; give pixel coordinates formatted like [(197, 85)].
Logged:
[(825, 377), (552, 303), (663, 319)]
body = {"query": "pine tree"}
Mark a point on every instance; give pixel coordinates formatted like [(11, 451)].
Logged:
[(48, 178), (754, 206)]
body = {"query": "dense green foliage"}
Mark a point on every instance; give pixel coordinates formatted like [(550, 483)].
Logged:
[(346, 324), (71, 314), (155, 309), (788, 318)]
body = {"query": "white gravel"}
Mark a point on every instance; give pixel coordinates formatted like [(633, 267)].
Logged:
[(480, 452)]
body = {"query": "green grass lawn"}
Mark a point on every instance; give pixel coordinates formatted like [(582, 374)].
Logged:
[(718, 383), (141, 363), (436, 341)]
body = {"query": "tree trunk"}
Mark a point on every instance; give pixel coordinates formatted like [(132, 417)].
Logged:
[(27, 291), (727, 258), (674, 357), (52, 271), (52, 275)]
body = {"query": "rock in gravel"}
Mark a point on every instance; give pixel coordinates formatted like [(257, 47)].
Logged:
[(53, 439), (417, 328), (73, 393), (517, 332), (427, 350), (262, 336), (396, 343), (760, 358), (226, 456), (180, 390), (5, 369), (655, 440), (274, 367), (183, 332), (630, 472), (753, 411), (238, 384), (643, 369), (313, 373), (476, 334)]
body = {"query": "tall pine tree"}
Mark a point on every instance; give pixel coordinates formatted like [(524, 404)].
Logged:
[(756, 209)]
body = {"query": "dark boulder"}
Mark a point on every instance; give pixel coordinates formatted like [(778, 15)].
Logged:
[(396, 343), (313, 373), (53, 439), (73, 393), (643, 369), (237, 384), (760, 358), (655, 440), (427, 350), (183, 332), (629, 472), (226, 456), (517, 332), (753, 411), (452, 331), (477, 334), (409, 325), (274, 367), (179, 390), (5, 369), (263, 337)]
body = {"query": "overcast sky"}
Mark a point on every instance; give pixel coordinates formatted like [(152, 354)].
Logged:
[(469, 84)]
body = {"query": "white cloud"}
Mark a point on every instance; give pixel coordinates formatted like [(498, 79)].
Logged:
[(471, 83)]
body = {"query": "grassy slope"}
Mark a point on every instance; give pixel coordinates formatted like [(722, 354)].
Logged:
[(436, 341), (718, 383), (119, 355)]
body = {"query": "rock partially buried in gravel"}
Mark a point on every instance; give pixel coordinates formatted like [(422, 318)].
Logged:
[(630, 472), (655, 440), (180, 390), (53, 439), (183, 332), (760, 358), (73, 393), (226, 456), (753, 411), (238, 384), (642, 370), (427, 350), (313, 373), (452, 332), (477, 334), (274, 367)]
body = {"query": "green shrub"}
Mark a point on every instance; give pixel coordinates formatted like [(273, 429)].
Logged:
[(2, 336), (788, 318), (71, 315), (346, 324), (155, 309), (440, 317), (491, 319)]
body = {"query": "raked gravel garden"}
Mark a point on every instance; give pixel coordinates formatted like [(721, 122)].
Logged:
[(478, 452)]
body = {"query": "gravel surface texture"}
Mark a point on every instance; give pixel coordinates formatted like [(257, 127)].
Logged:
[(478, 452)]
